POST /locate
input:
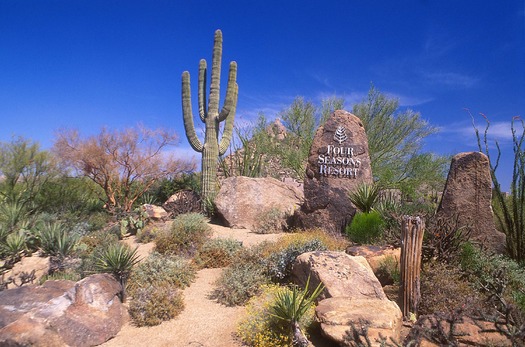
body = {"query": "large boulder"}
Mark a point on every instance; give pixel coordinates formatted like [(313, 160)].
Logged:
[(243, 201), (337, 315), (155, 212), (468, 195), (337, 164), (352, 295), (62, 313), (341, 274)]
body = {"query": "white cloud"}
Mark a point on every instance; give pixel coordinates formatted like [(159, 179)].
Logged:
[(497, 131), (451, 79)]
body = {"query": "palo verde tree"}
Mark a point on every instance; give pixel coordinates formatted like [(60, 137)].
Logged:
[(395, 141), (125, 164), (211, 149), (24, 169)]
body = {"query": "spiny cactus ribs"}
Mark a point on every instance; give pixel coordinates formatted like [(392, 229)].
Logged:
[(211, 149)]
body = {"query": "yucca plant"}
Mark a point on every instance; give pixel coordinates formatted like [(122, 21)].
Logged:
[(290, 307), (365, 197), (117, 259)]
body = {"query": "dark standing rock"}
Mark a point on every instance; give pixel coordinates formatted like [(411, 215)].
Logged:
[(184, 201), (338, 162), (468, 195), (62, 313), (242, 201)]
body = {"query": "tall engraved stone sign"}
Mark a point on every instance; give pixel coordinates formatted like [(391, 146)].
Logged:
[(338, 162)]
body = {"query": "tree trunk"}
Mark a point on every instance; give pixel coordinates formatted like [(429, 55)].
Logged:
[(299, 339)]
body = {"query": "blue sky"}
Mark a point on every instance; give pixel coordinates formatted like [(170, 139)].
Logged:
[(92, 63)]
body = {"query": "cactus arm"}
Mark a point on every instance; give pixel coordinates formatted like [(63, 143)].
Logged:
[(231, 96), (213, 106), (202, 90), (194, 141), (228, 125)]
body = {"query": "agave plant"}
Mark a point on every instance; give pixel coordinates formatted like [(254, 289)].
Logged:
[(291, 306), (117, 259), (365, 197), (55, 240), (14, 245)]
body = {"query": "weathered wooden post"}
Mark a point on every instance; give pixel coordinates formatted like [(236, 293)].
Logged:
[(412, 230)]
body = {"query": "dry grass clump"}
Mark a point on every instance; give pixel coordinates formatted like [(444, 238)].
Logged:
[(156, 303), (216, 253), (444, 289)]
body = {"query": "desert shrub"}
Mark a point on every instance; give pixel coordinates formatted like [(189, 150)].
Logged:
[(365, 227), (185, 236), (153, 304), (261, 328), (239, 282), (216, 253), (269, 221), (96, 239), (488, 272), (147, 234), (444, 238), (444, 289), (97, 220), (173, 270)]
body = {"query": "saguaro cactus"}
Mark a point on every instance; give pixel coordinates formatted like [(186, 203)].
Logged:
[(211, 149)]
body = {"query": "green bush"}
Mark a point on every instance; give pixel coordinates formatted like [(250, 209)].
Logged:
[(216, 253), (269, 221), (174, 270), (185, 236), (153, 304), (365, 227)]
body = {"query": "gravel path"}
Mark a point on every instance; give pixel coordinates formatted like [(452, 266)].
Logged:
[(204, 322)]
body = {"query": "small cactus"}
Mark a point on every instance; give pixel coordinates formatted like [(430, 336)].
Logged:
[(212, 148)]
